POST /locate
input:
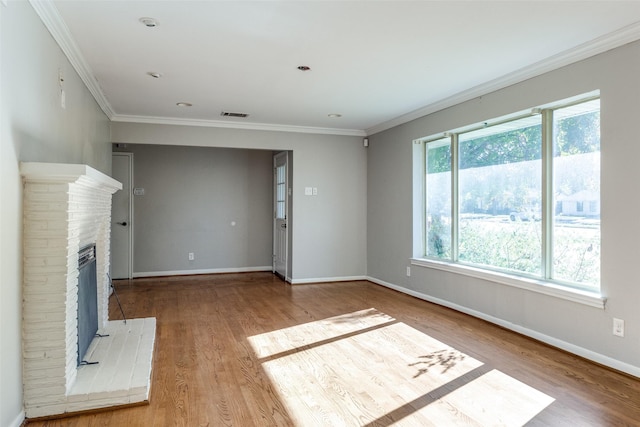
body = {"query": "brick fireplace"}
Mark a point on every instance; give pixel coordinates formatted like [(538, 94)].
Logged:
[(67, 207)]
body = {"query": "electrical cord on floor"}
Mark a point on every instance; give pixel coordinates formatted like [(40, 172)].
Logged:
[(117, 299)]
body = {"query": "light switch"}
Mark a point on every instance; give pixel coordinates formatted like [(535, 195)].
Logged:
[(138, 191), (315, 191), (308, 191)]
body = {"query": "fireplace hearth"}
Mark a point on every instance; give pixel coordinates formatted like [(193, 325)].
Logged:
[(68, 207)]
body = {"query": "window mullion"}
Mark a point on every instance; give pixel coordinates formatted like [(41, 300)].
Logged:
[(547, 194), (424, 197), (454, 197)]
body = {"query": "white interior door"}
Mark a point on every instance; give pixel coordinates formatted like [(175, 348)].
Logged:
[(121, 216), (280, 205)]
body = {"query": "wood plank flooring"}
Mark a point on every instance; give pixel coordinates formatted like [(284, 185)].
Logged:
[(249, 350)]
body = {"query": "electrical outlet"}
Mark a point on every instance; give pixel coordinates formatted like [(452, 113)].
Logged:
[(618, 327), (408, 271), (191, 256)]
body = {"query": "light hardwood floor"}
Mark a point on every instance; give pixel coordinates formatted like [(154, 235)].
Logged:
[(250, 350)]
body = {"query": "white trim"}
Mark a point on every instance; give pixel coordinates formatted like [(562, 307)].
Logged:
[(236, 125), (53, 21), (586, 50), (563, 345), (131, 207), (17, 422), (327, 280), (592, 299), (202, 271)]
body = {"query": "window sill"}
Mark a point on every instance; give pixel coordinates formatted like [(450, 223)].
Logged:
[(592, 299)]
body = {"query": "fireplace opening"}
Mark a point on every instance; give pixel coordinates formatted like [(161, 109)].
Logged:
[(87, 299)]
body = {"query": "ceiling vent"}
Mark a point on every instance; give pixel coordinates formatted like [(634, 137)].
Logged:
[(230, 114)]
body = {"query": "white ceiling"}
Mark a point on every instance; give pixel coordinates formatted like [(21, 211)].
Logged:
[(377, 63)]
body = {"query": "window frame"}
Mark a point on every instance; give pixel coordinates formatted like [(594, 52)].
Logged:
[(544, 284)]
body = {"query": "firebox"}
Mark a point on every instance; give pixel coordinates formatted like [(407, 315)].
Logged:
[(87, 299)]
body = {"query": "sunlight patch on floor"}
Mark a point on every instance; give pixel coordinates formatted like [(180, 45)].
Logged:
[(494, 399), (299, 336), (365, 368)]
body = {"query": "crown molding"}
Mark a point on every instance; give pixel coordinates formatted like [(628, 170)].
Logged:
[(53, 21), (586, 50), (236, 125)]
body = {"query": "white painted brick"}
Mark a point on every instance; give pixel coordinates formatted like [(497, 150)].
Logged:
[(49, 339), (35, 197), (36, 374), (43, 357), (51, 260), (31, 226), (94, 404), (46, 216), (59, 218), (50, 393), (57, 205), (78, 397), (54, 292), (45, 233), (45, 317), (34, 188), (71, 377), (45, 410), (39, 386)]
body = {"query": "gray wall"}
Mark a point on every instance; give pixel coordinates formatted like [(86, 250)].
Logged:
[(576, 327), (328, 230), (360, 222), (34, 128), (192, 197)]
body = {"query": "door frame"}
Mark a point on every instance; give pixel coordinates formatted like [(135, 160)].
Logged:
[(129, 192), (276, 157)]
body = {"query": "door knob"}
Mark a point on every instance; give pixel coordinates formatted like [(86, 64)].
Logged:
[(124, 224), (283, 225)]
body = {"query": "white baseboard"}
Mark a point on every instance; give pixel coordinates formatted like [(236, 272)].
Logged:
[(563, 345), (327, 279), (203, 271), (17, 422)]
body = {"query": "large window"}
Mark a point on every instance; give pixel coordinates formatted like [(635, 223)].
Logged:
[(519, 195)]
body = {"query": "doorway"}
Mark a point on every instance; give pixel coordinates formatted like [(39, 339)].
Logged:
[(280, 207), (121, 218)]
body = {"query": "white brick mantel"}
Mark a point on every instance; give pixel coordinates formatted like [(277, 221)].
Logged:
[(66, 207)]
